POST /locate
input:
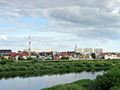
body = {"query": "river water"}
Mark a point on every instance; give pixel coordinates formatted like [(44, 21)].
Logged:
[(37, 83)]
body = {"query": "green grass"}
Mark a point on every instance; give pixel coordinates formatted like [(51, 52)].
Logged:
[(37, 68), (78, 85)]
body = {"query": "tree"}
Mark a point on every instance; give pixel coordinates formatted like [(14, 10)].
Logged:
[(93, 55), (108, 81)]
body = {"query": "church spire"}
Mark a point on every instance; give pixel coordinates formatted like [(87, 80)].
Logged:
[(75, 49)]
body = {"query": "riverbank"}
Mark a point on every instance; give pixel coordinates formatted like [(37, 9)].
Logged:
[(110, 80), (77, 85), (38, 68)]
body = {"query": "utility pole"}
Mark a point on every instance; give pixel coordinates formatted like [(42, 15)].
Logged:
[(29, 45)]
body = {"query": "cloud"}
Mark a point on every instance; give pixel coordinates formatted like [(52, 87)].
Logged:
[(93, 19), (3, 37)]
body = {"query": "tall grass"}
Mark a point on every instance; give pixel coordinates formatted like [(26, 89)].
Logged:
[(10, 68)]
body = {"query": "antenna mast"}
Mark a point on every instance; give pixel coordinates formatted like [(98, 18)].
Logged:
[(29, 44)]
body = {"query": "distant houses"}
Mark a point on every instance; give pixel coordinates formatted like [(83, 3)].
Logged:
[(77, 54)]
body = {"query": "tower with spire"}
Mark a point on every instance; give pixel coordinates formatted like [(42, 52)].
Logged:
[(75, 49)]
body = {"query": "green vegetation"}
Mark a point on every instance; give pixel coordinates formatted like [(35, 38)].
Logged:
[(93, 55), (108, 81), (78, 85), (37, 67)]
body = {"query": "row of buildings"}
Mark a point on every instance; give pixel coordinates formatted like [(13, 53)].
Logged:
[(76, 54), (88, 50)]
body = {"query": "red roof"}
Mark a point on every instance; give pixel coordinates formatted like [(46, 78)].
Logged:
[(56, 56), (13, 54), (22, 54), (34, 54), (104, 53), (64, 54)]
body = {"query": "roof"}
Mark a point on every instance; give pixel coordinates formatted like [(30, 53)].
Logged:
[(34, 54), (104, 53), (22, 54), (13, 54)]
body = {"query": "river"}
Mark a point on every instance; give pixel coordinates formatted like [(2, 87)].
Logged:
[(39, 82)]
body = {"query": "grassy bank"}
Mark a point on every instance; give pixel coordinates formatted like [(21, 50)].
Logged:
[(36, 68), (108, 81), (78, 85)]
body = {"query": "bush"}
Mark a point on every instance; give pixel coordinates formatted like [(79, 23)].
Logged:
[(21, 58), (115, 88), (34, 61), (3, 62), (106, 81), (29, 58)]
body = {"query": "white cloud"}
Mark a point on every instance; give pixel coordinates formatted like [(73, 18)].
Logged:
[(91, 20), (4, 37)]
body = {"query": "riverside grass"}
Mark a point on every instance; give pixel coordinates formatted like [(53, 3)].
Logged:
[(78, 85), (110, 80), (37, 68)]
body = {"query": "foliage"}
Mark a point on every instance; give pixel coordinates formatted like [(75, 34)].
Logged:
[(93, 55), (9, 67), (107, 81), (65, 58), (115, 88), (29, 58), (21, 58), (2, 62), (72, 86), (110, 80)]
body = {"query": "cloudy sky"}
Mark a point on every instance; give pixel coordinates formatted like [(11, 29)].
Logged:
[(60, 24)]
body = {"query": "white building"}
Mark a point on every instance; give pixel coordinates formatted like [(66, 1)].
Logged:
[(79, 50), (98, 50), (88, 50), (110, 56)]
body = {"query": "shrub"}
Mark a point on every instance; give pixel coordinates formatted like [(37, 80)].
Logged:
[(3, 62), (29, 58), (115, 88), (34, 61), (106, 81), (21, 58)]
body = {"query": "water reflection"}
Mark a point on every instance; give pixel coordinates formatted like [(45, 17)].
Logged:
[(37, 83)]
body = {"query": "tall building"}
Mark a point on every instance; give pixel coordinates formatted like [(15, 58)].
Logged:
[(88, 50), (98, 50)]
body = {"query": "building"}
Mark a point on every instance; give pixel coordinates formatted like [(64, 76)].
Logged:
[(62, 55), (79, 50), (35, 55), (36, 50), (5, 51), (98, 50), (26, 50), (88, 50), (6, 56), (75, 49), (111, 56), (49, 50)]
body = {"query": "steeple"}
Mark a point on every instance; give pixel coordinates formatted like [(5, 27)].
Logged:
[(75, 49)]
